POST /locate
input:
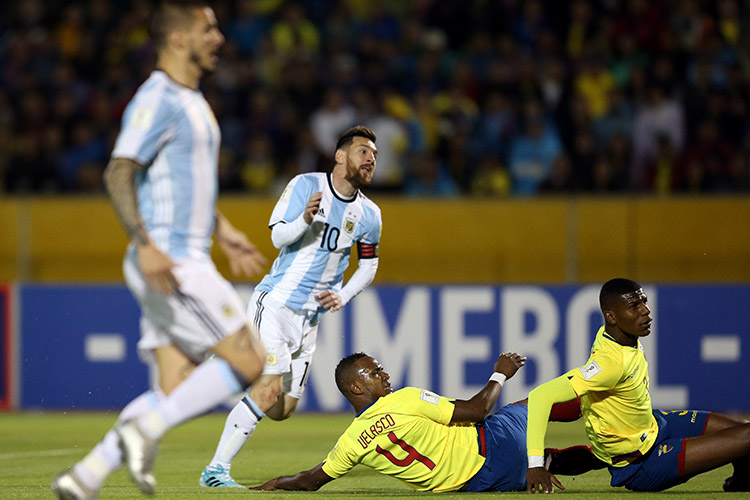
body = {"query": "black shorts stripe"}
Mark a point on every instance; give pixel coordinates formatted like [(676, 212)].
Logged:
[(259, 310), (195, 307)]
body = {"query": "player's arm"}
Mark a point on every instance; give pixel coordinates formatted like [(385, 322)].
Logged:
[(155, 265), (366, 268), (284, 234), (242, 254), (309, 480), (479, 406), (540, 404)]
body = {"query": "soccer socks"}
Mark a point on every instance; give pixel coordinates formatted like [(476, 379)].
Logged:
[(239, 426), (566, 412), (106, 457), (211, 383)]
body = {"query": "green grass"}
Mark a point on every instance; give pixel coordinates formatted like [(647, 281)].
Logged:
[(34, 447)]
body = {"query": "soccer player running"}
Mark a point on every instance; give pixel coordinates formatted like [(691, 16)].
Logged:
[(644, 449), (163, 183), (434, 443), (315, 223)]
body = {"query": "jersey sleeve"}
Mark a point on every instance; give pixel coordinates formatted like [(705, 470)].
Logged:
[(148, 123), (340, 460), (428, 404), (375, 223), (293, 200), (601, 373)]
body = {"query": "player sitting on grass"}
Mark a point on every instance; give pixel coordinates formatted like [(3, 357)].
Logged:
[(645, 449), (431, 442)]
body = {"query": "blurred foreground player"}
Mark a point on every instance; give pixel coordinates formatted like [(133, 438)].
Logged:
[(645, 449), (430, 442), (163, 183)]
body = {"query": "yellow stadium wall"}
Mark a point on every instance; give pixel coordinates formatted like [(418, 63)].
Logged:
[(549, 240)]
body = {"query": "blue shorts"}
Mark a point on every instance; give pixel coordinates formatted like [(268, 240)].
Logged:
[(505, 462), (664, 464)]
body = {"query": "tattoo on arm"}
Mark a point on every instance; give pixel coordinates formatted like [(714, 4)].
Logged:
[(118, 177)]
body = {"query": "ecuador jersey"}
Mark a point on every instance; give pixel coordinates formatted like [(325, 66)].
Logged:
[(407, 435), (615, 402), (317, 260), (171, 130)]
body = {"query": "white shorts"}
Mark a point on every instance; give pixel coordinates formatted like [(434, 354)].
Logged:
[(289, 339), (205, 310)]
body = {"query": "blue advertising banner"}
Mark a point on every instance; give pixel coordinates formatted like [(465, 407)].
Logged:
[(78, 347), (78, 343)]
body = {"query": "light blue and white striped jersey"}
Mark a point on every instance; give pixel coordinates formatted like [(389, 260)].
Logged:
[(171, 130), (317, 260)]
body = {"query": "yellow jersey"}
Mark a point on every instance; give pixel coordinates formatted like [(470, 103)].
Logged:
[(616, 405), (407, 434)]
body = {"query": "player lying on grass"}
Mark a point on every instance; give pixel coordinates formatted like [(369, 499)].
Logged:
[(431, 442), (645, 449)]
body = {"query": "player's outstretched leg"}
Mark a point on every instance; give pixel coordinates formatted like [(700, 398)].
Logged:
[(740, 478)]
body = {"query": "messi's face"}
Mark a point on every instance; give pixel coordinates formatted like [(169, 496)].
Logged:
[(360, 160), (372, 378), (205, 39), (632, 315)]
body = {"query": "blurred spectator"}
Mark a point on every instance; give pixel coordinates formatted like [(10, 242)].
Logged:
[(328, 122), (533, 151), (429, 178), (491, 178), (659, 116)]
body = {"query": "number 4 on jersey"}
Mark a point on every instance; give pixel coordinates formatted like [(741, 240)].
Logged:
[(411, 457)]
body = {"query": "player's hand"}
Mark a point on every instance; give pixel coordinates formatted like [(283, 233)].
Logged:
[(243, 257), (268, 486), (539, 479), (330, 300), (157, 269), (508, 363), (313, 205)]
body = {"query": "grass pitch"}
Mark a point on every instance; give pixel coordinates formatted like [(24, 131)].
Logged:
[(34, 447)]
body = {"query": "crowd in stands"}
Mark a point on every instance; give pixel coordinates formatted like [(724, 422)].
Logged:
[(485, 98)]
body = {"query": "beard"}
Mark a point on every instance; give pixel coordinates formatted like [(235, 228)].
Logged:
[(196, 59), (356, 178)]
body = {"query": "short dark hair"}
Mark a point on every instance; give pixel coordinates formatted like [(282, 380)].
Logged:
[(345, 368), (356, 131), (614, 289), (169, 14)]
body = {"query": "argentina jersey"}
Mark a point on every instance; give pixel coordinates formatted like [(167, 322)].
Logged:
[(171, 130), (317, 260)]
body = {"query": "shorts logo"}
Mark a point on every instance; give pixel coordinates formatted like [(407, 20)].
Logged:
[(227, 310), (271, 360), (664, 449), (590, 370), (349, 225)]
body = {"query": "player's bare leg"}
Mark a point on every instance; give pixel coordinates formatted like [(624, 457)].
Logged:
[(283, 409), (740, 479), (712, 450)]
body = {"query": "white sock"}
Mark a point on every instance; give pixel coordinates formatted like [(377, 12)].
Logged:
[(211, 383), (240, 424), (106, 457)]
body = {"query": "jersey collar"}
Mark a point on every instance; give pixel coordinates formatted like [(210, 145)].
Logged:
[(338, 195)]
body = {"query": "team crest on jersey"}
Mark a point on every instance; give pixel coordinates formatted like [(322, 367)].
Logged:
[(349, 225), (664, 449), (271, 360), (227, 310)]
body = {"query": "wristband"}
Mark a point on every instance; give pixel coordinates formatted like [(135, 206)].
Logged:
[(536, 461), (498, 377)]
